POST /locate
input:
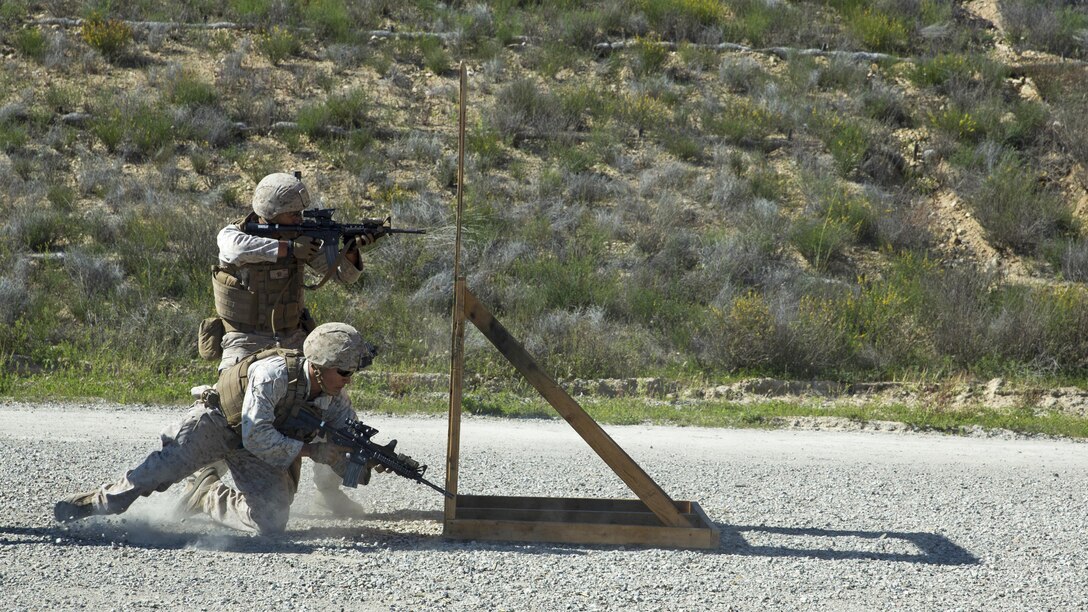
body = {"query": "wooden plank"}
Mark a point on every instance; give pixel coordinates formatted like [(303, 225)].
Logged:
[(457, 340), (621, 463), (560, 516), (457, 369), (587, 504), (583, 533)]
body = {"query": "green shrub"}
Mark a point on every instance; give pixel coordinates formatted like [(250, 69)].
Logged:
[(186, 88), (1015, 210), (329, 18), (277, 44), (956, 122), (345, 111), (1072, 259), (683, 19), (682, 145), (879, 31), (13, 11), (887, 106), (821, 240), (743, 74), (648, 57), (755, 22), (250, 9), (13, 136), (434, 53), (846, 139), (109, 37), (522, 110), (62, 99), (40, 229), (885, 316), (138, 128), (742, 120), (564, 283), (1047, 25), (642, 112), (486, 144), (14, 300), (31, 43), (1029, 121), (941, 70), (62, 197), (740, 336)]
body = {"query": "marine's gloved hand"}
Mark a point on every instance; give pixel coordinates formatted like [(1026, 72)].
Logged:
[(367, 242), (304, 248), (405, 459), (328, 453)]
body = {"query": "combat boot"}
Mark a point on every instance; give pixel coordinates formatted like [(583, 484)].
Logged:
[(191, 500), (76, 507), (336, 502)]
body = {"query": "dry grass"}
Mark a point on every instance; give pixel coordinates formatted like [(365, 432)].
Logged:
[(673, 209)]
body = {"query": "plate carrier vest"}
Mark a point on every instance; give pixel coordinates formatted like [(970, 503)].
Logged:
[(234, 380), (270, 301)]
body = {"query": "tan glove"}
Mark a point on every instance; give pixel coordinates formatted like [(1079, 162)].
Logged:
[(304, 248), (328, 453), (367, 242), (405, 459)]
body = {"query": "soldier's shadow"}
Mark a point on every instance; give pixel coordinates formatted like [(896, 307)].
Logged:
[(202, 535)]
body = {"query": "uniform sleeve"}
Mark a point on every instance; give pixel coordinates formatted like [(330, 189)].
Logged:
[(237, 247), (267, 386)]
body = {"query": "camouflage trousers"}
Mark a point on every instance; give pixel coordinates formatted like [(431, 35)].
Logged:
[(260, 502)]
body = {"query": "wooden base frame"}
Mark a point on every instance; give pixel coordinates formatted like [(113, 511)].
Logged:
[(654, 519), (576, 521)]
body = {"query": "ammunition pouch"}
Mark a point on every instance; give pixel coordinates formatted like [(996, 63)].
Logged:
[(209, 338)]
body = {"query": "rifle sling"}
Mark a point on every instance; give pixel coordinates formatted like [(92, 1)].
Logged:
[(332, 264)]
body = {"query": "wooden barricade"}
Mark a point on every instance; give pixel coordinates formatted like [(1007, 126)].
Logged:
[(654, 519)]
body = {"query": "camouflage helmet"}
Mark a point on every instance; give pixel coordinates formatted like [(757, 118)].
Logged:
[(337, 345), (278, 193)]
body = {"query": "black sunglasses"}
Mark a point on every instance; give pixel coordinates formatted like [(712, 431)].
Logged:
[(345, 373)]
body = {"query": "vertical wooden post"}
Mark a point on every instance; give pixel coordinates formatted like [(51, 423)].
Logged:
[(457, 341)]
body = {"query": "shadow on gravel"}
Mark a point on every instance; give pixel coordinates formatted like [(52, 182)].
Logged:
[(832, 544), (202, 535), (295, 541)]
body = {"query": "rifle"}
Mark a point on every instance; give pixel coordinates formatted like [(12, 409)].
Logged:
[(356, 436), (318, 223)]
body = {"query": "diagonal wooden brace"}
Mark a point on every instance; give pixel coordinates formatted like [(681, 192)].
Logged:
[(621, 463)]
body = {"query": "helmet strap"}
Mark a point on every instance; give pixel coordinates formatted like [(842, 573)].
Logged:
[(317, 378)]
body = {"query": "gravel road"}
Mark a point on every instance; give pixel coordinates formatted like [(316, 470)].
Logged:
[(832, 520)]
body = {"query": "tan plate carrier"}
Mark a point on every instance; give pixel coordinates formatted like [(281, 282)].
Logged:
[(654, 519)]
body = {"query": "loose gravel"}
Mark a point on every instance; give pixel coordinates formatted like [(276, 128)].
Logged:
[(810, 519)]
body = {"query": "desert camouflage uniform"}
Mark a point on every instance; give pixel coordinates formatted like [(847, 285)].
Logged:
[(239, 248), (263, 462)]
